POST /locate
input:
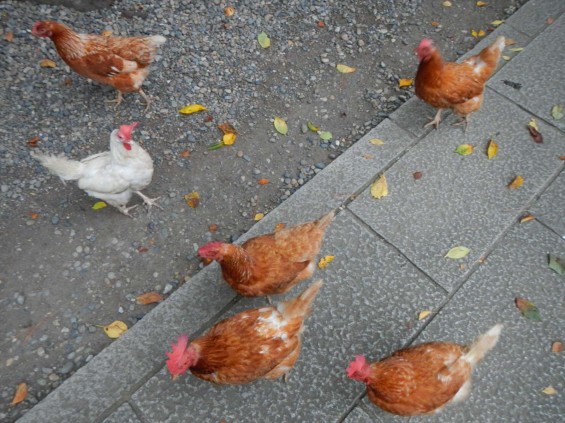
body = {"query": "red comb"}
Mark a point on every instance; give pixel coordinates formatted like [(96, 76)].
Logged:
[(178, 349), (426, 42), (126, 130), (211, 246), (359, 363)]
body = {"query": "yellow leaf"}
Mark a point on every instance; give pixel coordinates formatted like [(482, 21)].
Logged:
[(192, 108), (482, 4), (149, 298), (324, 261), (527, 218), (533, 124), (20, 394), (229, 11), (229, 138), (379, 189), (517, 49), (345, 69), (497, 22), (115, 329), (516, 182), (280, 126), (465, 149), (507, 58), (99, 205), (474, 33), (259, 216), (457, 252), (47, 63), (106, 33), (492, 149), (550, 390), (405, 82), (376, 141), (312, 127), (447, 3), (264, 40), (423, 314), (479, 33), (482, 33), (192, 199)]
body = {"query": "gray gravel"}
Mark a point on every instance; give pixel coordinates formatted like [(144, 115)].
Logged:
[(69, 269)]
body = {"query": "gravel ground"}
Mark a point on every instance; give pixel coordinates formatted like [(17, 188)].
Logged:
[(67, 268)]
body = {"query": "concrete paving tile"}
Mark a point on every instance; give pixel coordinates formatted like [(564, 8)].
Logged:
[(539, 68), (531, 18), (124, 414), (135, 355), (550, 208), (358, 416), (368, 304), (508, 383), (413, 115), (461, 200)]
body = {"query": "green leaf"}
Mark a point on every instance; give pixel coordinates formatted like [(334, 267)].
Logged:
[(280, 126), (216, 146), (465, 149), (325, 135), (528, 309), (99, 205), (457, 252), (264, 40), (557, 264), (312, 127), (557, 111)]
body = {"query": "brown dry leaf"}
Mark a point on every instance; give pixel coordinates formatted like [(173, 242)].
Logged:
[(417, 175), (368, 156), (509, 42), (280, 226), (185, 153), (550, 20), (557, 347), (481, 4), (213, 228), (33, 141), (9, 36), (106, 33), (435, 24), (321, 24), (535, 134), (423, 314), (263, 181), (149, 298), (34, 215), (20, 394), (229, 11), (516, 182), (561, 157), (142, 249), (192, 199), (67, 81), (527, 218), (47, 63), (209, 118), (227, 128)]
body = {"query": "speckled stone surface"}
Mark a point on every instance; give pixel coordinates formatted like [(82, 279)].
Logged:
[(368, 304), (124, 414), (358, 416), (531, 18), (461, 200), (550, 208), (539, 68)]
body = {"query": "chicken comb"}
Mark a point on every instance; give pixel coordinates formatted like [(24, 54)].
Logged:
[(126, 130), (211, 247), (356, 365), (426, 42), (178, 349)]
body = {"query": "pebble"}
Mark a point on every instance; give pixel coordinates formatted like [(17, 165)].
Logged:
[(4, 188), (67, 367), (20, 298), (168, 288), (55, 220), (53, 377)]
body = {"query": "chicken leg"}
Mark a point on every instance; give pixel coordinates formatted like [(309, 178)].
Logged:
[(125, 210), (436, 120), (149, 202), (118, 100)]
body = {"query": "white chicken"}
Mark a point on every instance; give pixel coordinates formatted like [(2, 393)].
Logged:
[(112, 176)]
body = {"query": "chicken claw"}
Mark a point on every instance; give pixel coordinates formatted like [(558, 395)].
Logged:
[(149, 202), (125, 210), (118, 100), (147, 99), (436, 121)]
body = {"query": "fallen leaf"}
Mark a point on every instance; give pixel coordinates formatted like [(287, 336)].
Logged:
[(405, 82), (9, 36), (185, 153), (280, 226), (192, 199), (264, 40), (376, 141), (258, 217), (550, 390), (47, 63), (379, 188), (141, 249), (435, 24), (209, 118), (517, 49), (516, 182), (213, 227), (33, 141), (321, 24), (535, 134), (557, 264), (345, 69), (423, 314), (509, 41), (106, 33), (229, 139), (527, 218), (481, 4), (527, 308), (67, 81), (447, 3), (557, 111), (497, 22), (465, 149), (263, 181), (192, 108), (324, 261), (149, 298), (312, 127), (216, 146), (325, 135), (515, 85), (34, 215), (227, 128), (368, 156), (417, 175), (280, 126), (507, 58), (20, 394), (561, 157), (115, 329), (550, 20), (457, 252), (99, 205), (229, 11), (492, 149), (557, 347), (479, 33)]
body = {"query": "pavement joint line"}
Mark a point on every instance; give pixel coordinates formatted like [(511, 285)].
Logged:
[(356, 402), (138, 413)]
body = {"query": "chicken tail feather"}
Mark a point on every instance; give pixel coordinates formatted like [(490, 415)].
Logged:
[(482, 345), (300, 306), (66, 169)]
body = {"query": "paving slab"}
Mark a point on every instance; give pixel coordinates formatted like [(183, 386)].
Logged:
[(358, 416), (369, 303), (531, 18), (124, 414), (508, 383), (462, 200), (550, 208), (539, 68)]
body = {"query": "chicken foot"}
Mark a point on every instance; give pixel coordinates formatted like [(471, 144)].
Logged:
[(147, 99), (125, 210), (149, 202), (464, 121), (118, 100), (436, 121)]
